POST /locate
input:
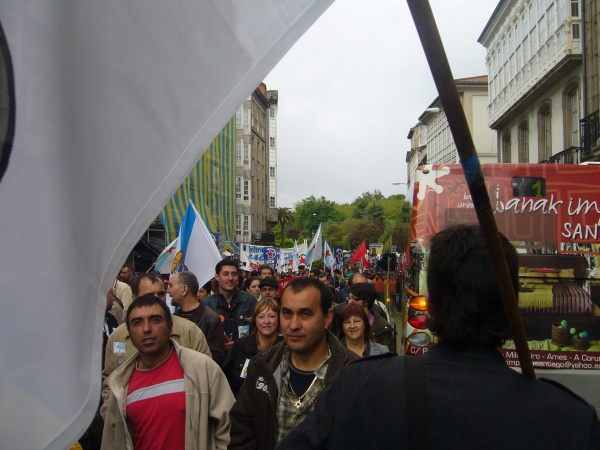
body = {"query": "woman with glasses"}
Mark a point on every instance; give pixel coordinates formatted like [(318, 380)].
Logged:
[(354, 331)]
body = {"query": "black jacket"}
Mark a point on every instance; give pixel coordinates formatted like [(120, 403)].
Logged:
[(210, 324), (232, 319), (474, 401), (243, 349), (253, 420)]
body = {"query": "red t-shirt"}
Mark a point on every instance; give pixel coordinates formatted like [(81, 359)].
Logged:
[(156, 405)]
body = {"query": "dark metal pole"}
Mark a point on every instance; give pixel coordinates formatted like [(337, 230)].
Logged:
[(444, 81)]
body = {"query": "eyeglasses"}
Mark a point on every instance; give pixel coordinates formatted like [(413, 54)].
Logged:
[(352, 298)]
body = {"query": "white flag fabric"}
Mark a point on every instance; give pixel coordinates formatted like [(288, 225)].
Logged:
[(111, 104), (295, 257), (315, 249), (196, 248)]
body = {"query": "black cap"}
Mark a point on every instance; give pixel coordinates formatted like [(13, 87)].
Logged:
[(269, 281)]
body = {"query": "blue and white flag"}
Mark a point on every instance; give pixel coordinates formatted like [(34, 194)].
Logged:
[(196, 249), (315, 249), (164, 262)]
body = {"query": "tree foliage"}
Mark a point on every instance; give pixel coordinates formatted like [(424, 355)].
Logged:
[(285, 217), (311, 212), (371, 217)]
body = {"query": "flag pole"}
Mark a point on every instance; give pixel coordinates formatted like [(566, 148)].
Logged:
[(444, 81)]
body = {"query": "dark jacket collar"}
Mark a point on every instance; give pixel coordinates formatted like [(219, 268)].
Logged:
[(340, 356)]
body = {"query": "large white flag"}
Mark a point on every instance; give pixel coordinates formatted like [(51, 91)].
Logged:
[(196, 248), (315, 249), (104, 108)]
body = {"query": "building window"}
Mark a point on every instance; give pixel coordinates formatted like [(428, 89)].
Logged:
[(574, 8), (272, 142), (238, 151), (246, 154), (524, 142), (238, 118), (246, 190), (571, 115), (246, 225), (271, 202), (246, 121), (506, 147), (238, 224), (544, 133), (272, 113), (272, 172), (238, 188)]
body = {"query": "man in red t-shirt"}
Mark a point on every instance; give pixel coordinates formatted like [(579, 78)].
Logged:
[(169, 394)]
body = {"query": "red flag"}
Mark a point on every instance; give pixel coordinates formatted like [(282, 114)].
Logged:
[(361, 255)]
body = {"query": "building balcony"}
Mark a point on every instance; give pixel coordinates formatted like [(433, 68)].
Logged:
[(590, 133), (572, 155)]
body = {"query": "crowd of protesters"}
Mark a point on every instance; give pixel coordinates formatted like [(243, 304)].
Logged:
[(246, 357)]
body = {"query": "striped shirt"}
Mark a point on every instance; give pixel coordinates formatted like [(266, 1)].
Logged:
[(156, 405)]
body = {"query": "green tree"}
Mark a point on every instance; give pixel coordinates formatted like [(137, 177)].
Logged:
[(335, 235), (374, 211), (311, 211), (285, 217), (364, 229), (361, 203)]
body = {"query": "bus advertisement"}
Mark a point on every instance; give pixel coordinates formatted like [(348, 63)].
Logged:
[(551, 214)]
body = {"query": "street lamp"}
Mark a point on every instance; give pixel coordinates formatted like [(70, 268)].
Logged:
[(399, 183)]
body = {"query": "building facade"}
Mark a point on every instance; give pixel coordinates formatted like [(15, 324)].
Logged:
[(255, 217), (431, 139), (590, 124), (534, 57), (210, 187)]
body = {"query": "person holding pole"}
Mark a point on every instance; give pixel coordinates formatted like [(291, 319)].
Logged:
[(460, 394)]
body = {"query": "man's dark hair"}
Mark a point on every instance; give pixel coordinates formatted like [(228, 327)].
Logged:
[(299, 284), (355, 274), (149, 300), (268, 267), (365, 292), (226, 262), (130, 267), (464, 300), (154, 276), (189, 279)]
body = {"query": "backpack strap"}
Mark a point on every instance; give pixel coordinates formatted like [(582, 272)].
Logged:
[(416, 402)]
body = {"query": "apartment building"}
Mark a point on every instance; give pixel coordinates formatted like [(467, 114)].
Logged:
[(590, 124), (431, 139), (534, 54), (255, 217)]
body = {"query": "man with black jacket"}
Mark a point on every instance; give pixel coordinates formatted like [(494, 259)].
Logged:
[(183, 289), (466, 397), (234, 307), (285, 382)]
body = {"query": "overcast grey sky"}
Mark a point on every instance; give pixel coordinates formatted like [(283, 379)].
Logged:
[(353, 86)]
